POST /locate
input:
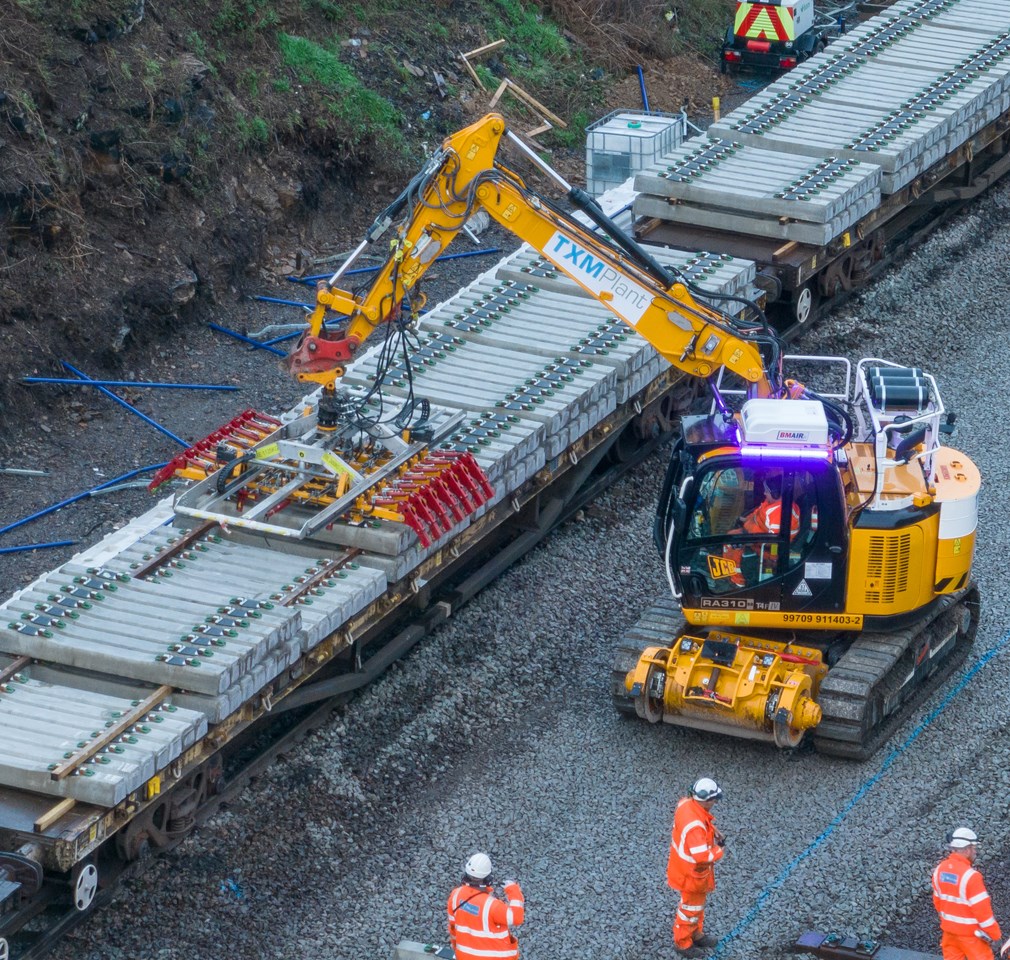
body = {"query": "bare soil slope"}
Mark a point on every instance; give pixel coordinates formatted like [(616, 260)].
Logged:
[(155, 156)]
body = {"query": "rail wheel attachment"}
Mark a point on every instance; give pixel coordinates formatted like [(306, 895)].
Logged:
[(649, 703)]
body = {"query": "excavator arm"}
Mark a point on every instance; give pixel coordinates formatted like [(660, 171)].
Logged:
[(465, 176)]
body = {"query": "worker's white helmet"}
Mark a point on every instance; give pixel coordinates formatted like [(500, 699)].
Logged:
[(706, 789), (962, 837), (478, 868)]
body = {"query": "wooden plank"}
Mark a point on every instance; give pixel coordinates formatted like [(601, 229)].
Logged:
[(470, 70), (173, 550), (531, 101), (497, 94), (16, 667), (785, 250), (53, 814), (543, 128), (112, 734), (487, 48)]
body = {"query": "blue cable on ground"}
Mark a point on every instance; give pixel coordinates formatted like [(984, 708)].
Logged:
[(865, 788)]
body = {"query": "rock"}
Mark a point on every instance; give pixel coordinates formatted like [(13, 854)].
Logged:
[(288, 194), (183, 288), (105, 141)]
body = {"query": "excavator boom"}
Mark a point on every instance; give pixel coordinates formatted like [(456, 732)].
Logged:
[(464, 176)]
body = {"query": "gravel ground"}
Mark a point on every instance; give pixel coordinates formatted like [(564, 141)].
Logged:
[(497, 734)]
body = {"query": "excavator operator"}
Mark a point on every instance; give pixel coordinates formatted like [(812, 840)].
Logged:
[(765, 519)]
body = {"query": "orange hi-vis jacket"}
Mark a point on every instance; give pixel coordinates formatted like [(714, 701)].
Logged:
[(767, 518), (961, 899), (693, 849), (479, 922)]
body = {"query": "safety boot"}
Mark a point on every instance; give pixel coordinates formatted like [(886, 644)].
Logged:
[(692, 952), (706, 940)]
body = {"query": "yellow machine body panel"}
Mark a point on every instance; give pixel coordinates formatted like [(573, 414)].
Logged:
[(882, 577), (957, 482), (941, 547), (953, 562), (773, 619)]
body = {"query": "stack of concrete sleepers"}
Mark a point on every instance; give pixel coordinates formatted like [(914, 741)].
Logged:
[(766, 193), (213, 622), (48, 716), (901, 91), (562, 308)]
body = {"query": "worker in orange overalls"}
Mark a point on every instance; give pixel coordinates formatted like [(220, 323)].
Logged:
[(765, 518), (478, 921), (968, 929), (695, 846)]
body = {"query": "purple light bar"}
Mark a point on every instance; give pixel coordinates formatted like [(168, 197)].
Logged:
[(753, 451)]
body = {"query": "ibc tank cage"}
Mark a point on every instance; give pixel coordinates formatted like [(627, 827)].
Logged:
[(624, 142)]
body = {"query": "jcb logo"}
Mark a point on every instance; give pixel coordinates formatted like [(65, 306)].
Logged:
[(720, 567)]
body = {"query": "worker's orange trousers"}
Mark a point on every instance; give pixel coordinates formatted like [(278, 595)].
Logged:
[(689, 920), (964, 948)]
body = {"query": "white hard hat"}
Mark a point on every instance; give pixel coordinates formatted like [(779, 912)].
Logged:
[(478, 868), (706, 789), (962, 837)]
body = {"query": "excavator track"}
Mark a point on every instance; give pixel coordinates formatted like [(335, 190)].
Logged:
[(864, 692), (660, 623)]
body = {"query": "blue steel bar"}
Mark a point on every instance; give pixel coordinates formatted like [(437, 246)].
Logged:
[(445, 256), (38, 546), (80, 496), (245, 339), (143, 416), (286, 303), (66, 381)]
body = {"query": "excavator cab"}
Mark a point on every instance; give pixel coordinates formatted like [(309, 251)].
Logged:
[(753, 515), (762, 536)]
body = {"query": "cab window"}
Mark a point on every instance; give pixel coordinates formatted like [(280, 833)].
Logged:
[(748, 525)]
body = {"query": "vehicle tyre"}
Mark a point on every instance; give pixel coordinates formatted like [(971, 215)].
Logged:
[(84, 882), (805, 304)]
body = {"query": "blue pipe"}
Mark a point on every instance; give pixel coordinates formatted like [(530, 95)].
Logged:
[(38, 546), (445, 256), (127, 383), (143, 416), (641, 84), (245, 339), (286, 303), (80, 496)]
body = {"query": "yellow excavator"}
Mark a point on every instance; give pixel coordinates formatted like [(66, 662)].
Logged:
[(818, 545)]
